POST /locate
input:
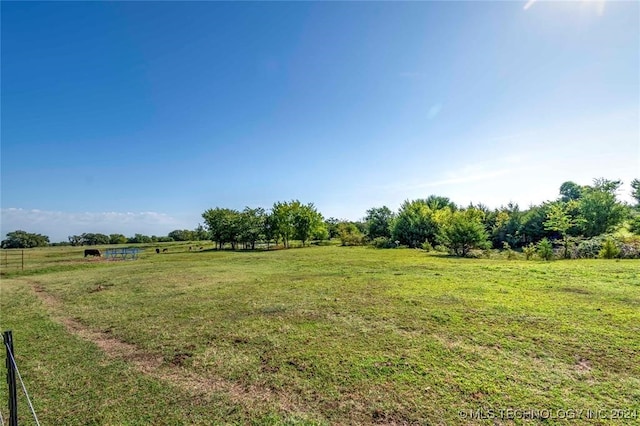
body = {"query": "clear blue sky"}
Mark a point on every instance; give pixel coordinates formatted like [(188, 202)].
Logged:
[(138, 116)]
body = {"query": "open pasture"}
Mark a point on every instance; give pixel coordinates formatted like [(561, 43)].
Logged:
[(322, 335)]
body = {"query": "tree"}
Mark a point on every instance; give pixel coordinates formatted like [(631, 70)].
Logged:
[(507, 226), (117, 239), (635, 193), (332, 226), (545, 249), (437, 202), (91, 239), (139, 239), (599, 209), (464, 232), (415, 224), (533, 229), (23, 239), (223, 225), (307, 222), (283, 220), (570, 191), (182, 235), (251, 226), (349, 234), (200, 234), (378, 222), (559, 220), (75, 240)]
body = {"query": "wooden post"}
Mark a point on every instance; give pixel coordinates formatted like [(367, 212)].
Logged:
[(11, 379)]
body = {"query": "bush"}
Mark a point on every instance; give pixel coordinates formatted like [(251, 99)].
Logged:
[(609, 249), (634, 225), (529, 251), (426, 246), (383, 243), (507, 248), (590, 249), (545, 249), (628, 247)]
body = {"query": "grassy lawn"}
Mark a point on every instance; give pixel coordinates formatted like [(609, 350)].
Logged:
[(321, 335)]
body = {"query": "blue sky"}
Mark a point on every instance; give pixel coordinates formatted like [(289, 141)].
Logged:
[(138, 116)]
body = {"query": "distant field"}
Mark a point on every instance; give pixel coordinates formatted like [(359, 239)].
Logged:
[(322, 335)]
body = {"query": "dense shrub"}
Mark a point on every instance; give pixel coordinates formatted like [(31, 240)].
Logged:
[(383, 243), (609, 249), (545, 249), (626, 248), (529, 251)]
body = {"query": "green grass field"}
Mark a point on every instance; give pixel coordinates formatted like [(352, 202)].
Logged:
[(322, 335)]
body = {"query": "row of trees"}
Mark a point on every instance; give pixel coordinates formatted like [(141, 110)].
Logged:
[(91, 239), (580, 212), (285, 222)]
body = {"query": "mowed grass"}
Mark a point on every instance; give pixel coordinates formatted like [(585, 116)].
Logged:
[(324, 335)]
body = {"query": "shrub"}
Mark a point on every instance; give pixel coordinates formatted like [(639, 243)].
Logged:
[(426, 246), (634, 225), (529, 251), (590, 249), (383, 243), (545, 249), (507, 248), (609, 249)]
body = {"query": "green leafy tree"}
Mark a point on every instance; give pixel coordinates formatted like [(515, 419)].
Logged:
[(437, 202), (223, 225), (464, 232), (559, 220), (307, 221), (23, 239), (378, 222), (283, 214), (415, 224), (269, 230), (252, 226), (570, 191), (635, 191), (182, 235), (75, 240), (117, 239), (139, 239), (200, 233), (91, 239), (545, 249), (332, 227), (600, 210), (349, 234), (609, 249), (507, 226)]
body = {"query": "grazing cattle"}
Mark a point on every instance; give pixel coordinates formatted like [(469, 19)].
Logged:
[(190, 248), (92, 252), (200, 248), (165, 250), (158, 251)]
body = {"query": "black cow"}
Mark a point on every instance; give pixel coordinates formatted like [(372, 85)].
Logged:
[(92, 252), (158, 251), (165, 250)]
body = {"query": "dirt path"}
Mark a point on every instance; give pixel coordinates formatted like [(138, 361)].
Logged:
[(154, 366)]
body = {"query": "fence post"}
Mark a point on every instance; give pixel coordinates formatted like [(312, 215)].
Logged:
[(11, 379), (23, 260)]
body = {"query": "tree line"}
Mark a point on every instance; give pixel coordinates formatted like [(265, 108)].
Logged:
[(579, 216)]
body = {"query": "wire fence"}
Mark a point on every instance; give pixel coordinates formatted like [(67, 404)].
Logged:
[(12, 367)]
